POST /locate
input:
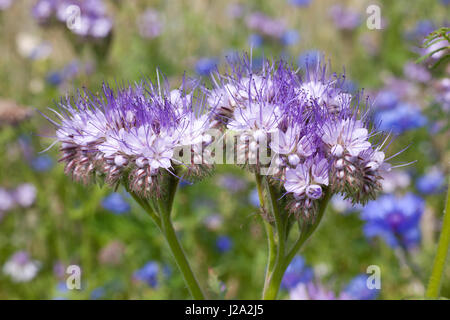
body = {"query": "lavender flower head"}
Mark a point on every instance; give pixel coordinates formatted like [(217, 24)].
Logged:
[(136, 136), (316, 134), (150, 24)]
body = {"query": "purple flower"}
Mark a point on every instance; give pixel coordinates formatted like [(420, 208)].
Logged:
[(311, 291), (395, 219), (7, 201), (416, 72), (148, 274), (25, 195), (139, 128), (5, 4), (116, 203), (150, 24), (358, 289), (265, 25), (431, 182), (345, 18), (93, 20), (224, 244), (297, 272), (310, 124)]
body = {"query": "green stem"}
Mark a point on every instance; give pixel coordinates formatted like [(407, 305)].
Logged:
[(165, 207), (434, 284), (271, 288), (283, 261), (269, 232), (160, 211)]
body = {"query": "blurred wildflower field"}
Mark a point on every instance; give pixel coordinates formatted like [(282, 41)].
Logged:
[(48, 222)]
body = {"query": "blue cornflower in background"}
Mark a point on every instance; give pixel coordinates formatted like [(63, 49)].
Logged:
[(54, 78), (357, 289), (224, 244), (394, 219), (290, 37), (431, 182), (386, 99), (97, 293), (297, 272), (116, 203), (421, 30), (300, 3), (309, 59), (42, 163), (255, 40), (254, 198), (402, 118), (205, 66), (148, 274)]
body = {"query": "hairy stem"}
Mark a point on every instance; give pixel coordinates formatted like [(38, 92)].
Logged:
[(271, 248), (283, 261), (160, 211), (434, 284)]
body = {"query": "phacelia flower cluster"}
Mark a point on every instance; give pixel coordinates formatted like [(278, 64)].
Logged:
[(303, 129), (136, 135)]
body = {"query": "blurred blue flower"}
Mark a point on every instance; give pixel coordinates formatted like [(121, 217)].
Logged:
[(309, 59), (357, 289), (54, 78), (421, 30), (402, 118), (205, 66), (42, 163), (97, 293), (445, 2), (394, 219), (254, 198), (148, 274), (116, 203), (386, 99), (290, 37), (431, 182), (297, 272), (224, 244), (300, 3), (232, 183), (255, 40)]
